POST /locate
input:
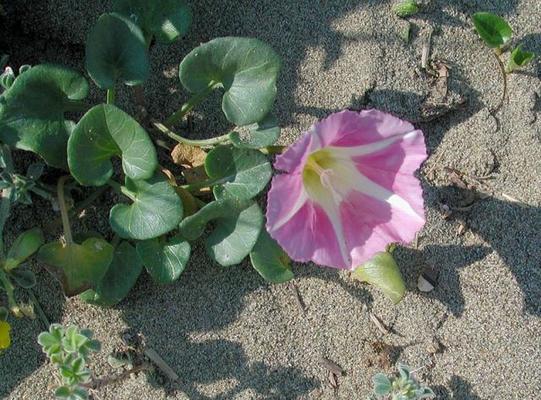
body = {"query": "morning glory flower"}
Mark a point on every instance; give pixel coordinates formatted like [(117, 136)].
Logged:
[(348, 189)]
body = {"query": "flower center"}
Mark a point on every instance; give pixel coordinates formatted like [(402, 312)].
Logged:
[(319, 175)]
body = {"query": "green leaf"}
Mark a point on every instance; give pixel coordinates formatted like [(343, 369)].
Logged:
[(519, 58), (234, 236), (245, 68), (156, 209), (193, 226), (164, 259), (119, 278), (32, 111), (103, 132), (494, 30), (116, 51), (406, 8), (78, 266), (270, 260), (24, 278), (404, 371), (382, 384), (240, 173), (26, 244), (3, 313), (261, 134), (382, 272), (167, 20)]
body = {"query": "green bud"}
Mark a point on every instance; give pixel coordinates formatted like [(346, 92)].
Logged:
[(406, 8)]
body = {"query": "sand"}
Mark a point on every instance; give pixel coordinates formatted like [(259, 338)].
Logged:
[(227, 333)]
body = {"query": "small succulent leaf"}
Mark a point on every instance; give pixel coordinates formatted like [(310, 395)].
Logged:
[(119, 279), (32, 111), (424, 393), (167, 20), (116, 52), (23, 278), (382, 384), (26, 244), (7, 78), (63, 392), (87, 332), (493, 29), (164, 259), (234, 236), (270, 260), (78, 266), (103, 132), (241, 173), (193, 226), (404, 371), (382, 272), (156, 209), (79, 393), (35, 170), (519, 58), (247, 70), (260, 134), (406, 8)]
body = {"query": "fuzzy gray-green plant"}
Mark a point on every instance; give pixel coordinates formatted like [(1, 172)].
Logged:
[(69, 349), (400, 387)]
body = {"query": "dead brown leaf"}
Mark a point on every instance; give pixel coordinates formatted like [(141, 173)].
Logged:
[(188, 156)]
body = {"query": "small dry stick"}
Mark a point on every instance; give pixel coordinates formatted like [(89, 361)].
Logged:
[(426, 49), (298, 297), (161, 364), (378, 323)]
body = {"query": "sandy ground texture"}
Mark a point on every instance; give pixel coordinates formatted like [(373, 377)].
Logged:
[(228, 334)]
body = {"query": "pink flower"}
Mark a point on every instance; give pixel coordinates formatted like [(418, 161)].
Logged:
[(348, 189)]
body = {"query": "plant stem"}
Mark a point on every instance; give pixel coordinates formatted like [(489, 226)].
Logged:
[(194, 187), (199, 143), (64, 210), (270, 150), (6, 198), (121, 189), (9, 288), (37, 306), (111, 94), (195, 100), (95, 384), (76, 105), (504, 77)]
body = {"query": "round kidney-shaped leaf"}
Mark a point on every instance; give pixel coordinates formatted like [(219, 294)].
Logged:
[(234, 236), (26, 244), (247, 70), (32, 111), (240, 173), (270, 260), (164, 259), (156, 209), (119, 278), (382, 272), (167, 20), (193, 226), (78, 266), (23, 278), (103, 132), (494, 30), (261, 134), (116, 51)]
